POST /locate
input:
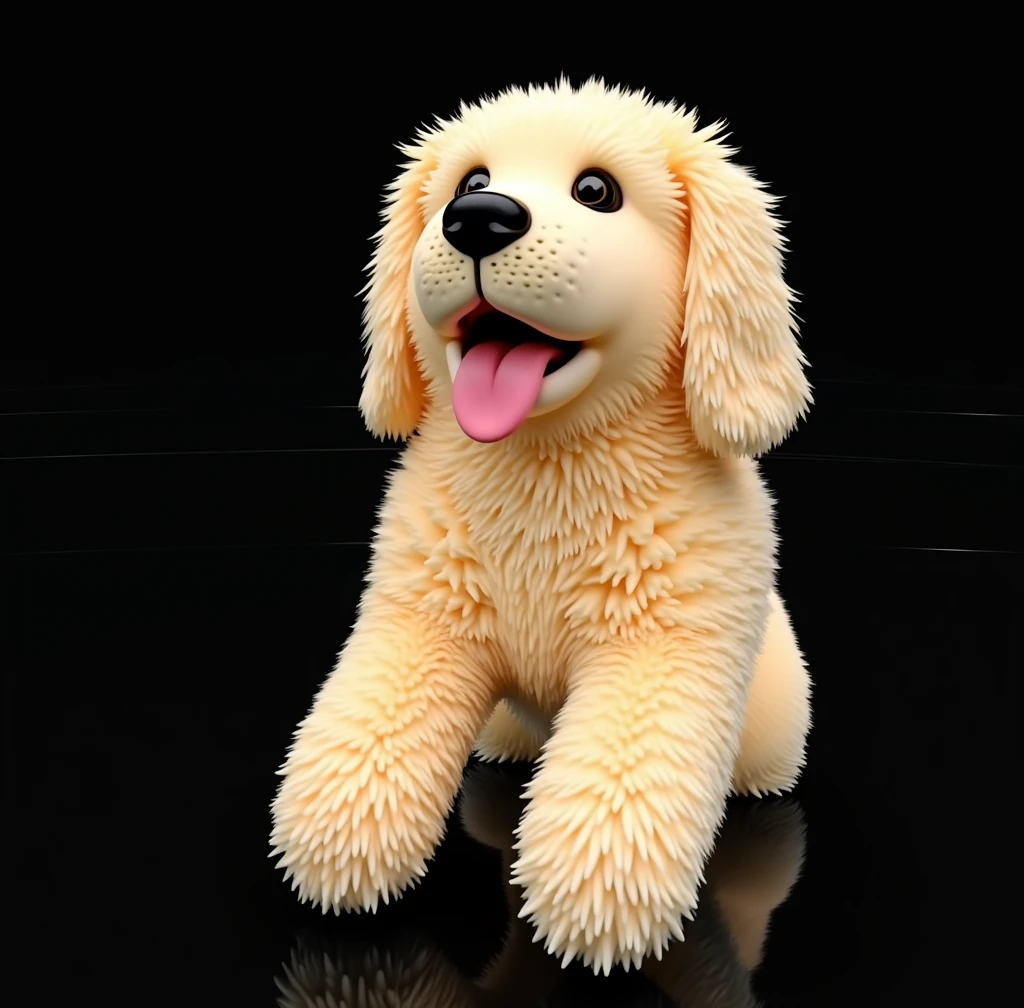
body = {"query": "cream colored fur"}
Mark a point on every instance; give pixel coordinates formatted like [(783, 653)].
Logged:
[(604, 575)]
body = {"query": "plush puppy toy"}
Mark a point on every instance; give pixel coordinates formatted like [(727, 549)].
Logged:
[(577, 302)]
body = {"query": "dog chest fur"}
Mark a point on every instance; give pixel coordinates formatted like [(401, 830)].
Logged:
[(535, 552)]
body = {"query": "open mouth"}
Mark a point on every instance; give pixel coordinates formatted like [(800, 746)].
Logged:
[(504, 370), (485, 324)]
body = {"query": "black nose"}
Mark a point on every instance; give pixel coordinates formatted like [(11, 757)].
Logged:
[(479, 224)]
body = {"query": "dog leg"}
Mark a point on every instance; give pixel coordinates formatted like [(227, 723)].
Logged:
[(375, 767), (506, 737), (778, 714), (629, 792)]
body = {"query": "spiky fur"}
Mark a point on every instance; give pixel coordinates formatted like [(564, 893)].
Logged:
[(605, 573)]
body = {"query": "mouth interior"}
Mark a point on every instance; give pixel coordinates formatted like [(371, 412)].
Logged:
[(485, 324)]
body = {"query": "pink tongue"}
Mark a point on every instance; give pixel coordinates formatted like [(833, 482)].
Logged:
[(496, 387)]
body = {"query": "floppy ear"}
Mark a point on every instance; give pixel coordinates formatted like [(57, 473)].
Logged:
[(743, 372), (394, 393)]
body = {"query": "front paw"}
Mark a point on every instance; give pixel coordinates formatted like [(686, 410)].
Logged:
[(376, 764), (606, 880), (351, 826)]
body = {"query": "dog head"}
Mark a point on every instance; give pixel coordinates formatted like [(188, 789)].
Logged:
[(554, 257)]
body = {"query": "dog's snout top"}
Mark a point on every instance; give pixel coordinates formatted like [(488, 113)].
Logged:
[(479, 223)]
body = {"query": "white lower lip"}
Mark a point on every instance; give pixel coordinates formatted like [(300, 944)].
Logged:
[(558, 387)]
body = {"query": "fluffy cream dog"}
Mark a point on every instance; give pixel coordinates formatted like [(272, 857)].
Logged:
[(577, 303)]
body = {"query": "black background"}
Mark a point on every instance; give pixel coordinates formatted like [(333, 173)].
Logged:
[(190, 494)]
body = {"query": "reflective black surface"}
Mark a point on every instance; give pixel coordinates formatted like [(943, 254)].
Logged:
[(188, 496), (756, 863)]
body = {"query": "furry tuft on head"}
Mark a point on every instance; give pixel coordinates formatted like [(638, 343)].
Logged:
[(742, 369)]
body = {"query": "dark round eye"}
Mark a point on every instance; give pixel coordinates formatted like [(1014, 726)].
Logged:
[(596, 189), (478, 178)]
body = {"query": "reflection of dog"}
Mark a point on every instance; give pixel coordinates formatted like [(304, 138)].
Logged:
[(355, 975), (577, 300), (752, 870)]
